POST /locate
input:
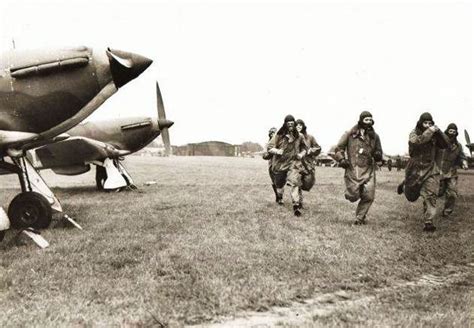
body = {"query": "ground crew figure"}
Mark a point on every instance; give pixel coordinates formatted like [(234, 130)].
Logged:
[(449, 160), (303, 173), (422, 171), (389, 164), (399, 163), (287, 146), (357, 152), (269, 157)]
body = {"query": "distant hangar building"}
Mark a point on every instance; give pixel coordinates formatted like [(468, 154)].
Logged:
[(207, 148)]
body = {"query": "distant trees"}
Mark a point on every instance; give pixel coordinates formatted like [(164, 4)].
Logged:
[(250, 147)]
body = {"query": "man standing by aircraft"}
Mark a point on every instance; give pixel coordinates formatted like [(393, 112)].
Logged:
[(303, 172), (449, 160), (422, 173), (287, 146), (399, 163), (357, 152), (269, 157), (389, 164)]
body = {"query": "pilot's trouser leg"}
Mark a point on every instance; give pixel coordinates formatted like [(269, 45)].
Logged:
[(272, 178), (352, 192), (280, 181), (300, 192), (367, 196), (429, 193), (451, 195), (294, 181), (295, 193)]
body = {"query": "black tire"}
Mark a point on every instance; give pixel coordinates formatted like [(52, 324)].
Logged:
[(30, 209), (100, 177), (2, 235)]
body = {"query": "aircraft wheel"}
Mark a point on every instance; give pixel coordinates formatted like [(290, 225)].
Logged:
[(2, 235), (100, 177), (30, 209)]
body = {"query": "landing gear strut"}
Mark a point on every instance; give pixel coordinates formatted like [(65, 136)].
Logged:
[(34, 206), (111, 175)]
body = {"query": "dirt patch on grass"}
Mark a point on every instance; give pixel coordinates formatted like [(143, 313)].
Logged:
[(309, 312)]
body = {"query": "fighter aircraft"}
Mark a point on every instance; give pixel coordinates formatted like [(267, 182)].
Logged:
[(469, 146), (44, 93), (103, 144)]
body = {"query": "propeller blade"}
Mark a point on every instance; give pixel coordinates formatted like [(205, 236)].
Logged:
[(159, 103), (163, 123), (466, 135), (165, 136)]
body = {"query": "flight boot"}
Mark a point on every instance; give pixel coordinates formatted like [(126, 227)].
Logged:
[(296, 210), (279, 199), (360, 221), (429, 227)]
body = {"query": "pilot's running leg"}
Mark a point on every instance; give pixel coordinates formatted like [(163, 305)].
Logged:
[(429, 192), (367, 196), (272, 178), (280, 181), (451, 195), (294, 182), (300, 191), (295, 198)]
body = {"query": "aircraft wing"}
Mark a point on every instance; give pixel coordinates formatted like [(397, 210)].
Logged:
[(73, 151)]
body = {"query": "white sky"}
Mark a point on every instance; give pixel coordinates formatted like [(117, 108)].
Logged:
[(230, 70)]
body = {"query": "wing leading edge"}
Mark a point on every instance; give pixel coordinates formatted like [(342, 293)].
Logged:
[(72, 152)]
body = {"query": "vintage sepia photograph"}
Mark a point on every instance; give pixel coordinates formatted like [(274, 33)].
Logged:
[(236, 163)]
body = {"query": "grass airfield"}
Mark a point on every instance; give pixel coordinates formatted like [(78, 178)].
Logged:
[(207, 245)]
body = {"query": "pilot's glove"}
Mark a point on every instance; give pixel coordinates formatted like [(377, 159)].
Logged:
[(266, 156), (344, 163), (378, 156), (300, 155)]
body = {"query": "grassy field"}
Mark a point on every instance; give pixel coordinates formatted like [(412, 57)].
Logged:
[(207, 244)]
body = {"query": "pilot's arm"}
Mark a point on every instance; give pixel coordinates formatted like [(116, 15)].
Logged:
[(271, 148), (339, 151), (314, 148)]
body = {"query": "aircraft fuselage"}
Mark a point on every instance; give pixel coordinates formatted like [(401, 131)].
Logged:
[(126, 134)]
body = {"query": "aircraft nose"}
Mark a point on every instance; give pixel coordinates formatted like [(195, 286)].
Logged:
[(164, 123), (125, 66)]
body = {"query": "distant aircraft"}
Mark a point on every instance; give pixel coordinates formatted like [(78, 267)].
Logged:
[(44, 93), (469, 146), (324, 159), (103, 144)]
